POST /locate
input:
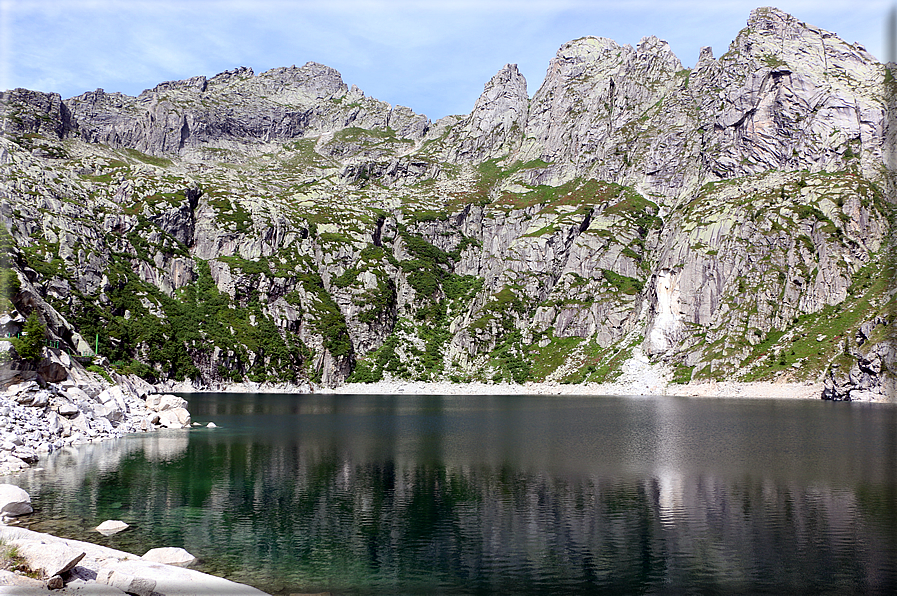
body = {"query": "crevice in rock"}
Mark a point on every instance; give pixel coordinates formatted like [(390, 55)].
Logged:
[(459, 219), (587, 220), (185, 133), (378, 231)]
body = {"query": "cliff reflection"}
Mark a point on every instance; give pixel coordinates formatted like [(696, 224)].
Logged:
[(409, 494)]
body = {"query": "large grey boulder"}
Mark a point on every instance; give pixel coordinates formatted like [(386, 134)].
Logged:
[(159, 402), (54, 366), (14, 501), (175, 418)]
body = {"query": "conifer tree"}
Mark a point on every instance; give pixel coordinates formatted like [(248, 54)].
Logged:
[(30, 345)]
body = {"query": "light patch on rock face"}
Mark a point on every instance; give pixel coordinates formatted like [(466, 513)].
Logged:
[(666, 326)]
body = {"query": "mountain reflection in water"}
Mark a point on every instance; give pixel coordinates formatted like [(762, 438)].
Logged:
[(501, 495)]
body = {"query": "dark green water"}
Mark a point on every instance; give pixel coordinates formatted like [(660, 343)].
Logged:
[(501, 495)]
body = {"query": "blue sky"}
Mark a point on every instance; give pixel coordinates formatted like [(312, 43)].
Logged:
[(432, 56)]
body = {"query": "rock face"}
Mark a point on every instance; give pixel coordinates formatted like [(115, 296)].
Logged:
[(728, 219)]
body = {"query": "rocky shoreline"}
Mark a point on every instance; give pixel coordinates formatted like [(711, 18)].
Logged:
[(63, 404), (91, 569)]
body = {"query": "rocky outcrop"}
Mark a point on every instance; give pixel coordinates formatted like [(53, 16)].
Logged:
[(235, 109), (868, 369), (495, 126)]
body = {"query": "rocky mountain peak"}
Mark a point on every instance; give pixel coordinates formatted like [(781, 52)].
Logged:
[(505, 93), (229, 76), (705, 57), (316, 81), (197, 83), (770, 21), (498, 118)]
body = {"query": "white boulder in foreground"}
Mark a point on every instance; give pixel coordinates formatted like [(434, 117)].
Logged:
[(170, 580), (49, 558), (139, 586), (170, 556), (111, 526), (14, 501)]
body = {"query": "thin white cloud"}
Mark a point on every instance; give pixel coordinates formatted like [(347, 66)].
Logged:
[(432, 56)]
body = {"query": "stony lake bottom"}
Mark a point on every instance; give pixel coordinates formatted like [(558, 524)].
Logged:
[(408, 494)]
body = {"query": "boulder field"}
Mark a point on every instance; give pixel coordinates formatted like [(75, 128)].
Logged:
[(39, 416)]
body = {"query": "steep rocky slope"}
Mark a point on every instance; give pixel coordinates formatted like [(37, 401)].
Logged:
[(733, 219)]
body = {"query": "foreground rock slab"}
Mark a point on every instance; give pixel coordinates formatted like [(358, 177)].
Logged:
[(139, 586), (121, 568), (48, 557)]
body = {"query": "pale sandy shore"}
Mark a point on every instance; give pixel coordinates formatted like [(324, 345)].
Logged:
[(638, 377), (711, 389), (706, 389)]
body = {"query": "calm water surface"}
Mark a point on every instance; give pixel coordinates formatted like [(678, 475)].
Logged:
[(403, 494)]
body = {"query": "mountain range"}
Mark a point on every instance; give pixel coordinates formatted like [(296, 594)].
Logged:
[(733, 221)]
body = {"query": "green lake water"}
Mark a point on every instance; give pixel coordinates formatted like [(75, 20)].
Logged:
[(406, 494)]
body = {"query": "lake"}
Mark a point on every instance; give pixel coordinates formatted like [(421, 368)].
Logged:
[(407, 494)]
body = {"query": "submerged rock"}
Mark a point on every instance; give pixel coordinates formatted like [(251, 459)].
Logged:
[(170, 556), (111, 526)]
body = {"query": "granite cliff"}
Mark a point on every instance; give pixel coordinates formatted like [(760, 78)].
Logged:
[(733, 220)]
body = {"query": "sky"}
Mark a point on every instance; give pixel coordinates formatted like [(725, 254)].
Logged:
[(432, 56)]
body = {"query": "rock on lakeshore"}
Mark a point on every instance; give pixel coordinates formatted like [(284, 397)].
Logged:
[(170, 556), (14, 501)]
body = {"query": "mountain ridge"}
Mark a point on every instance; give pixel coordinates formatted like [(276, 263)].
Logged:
[(720, 218)]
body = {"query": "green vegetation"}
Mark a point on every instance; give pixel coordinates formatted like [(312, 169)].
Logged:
[(773, 61), (100, 371), (231, 214), (9, 287), (328, 319), (626, 285), (12, 560), (31, 342), (148, 159), (816, 339), (155, 336), (682, 374)]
